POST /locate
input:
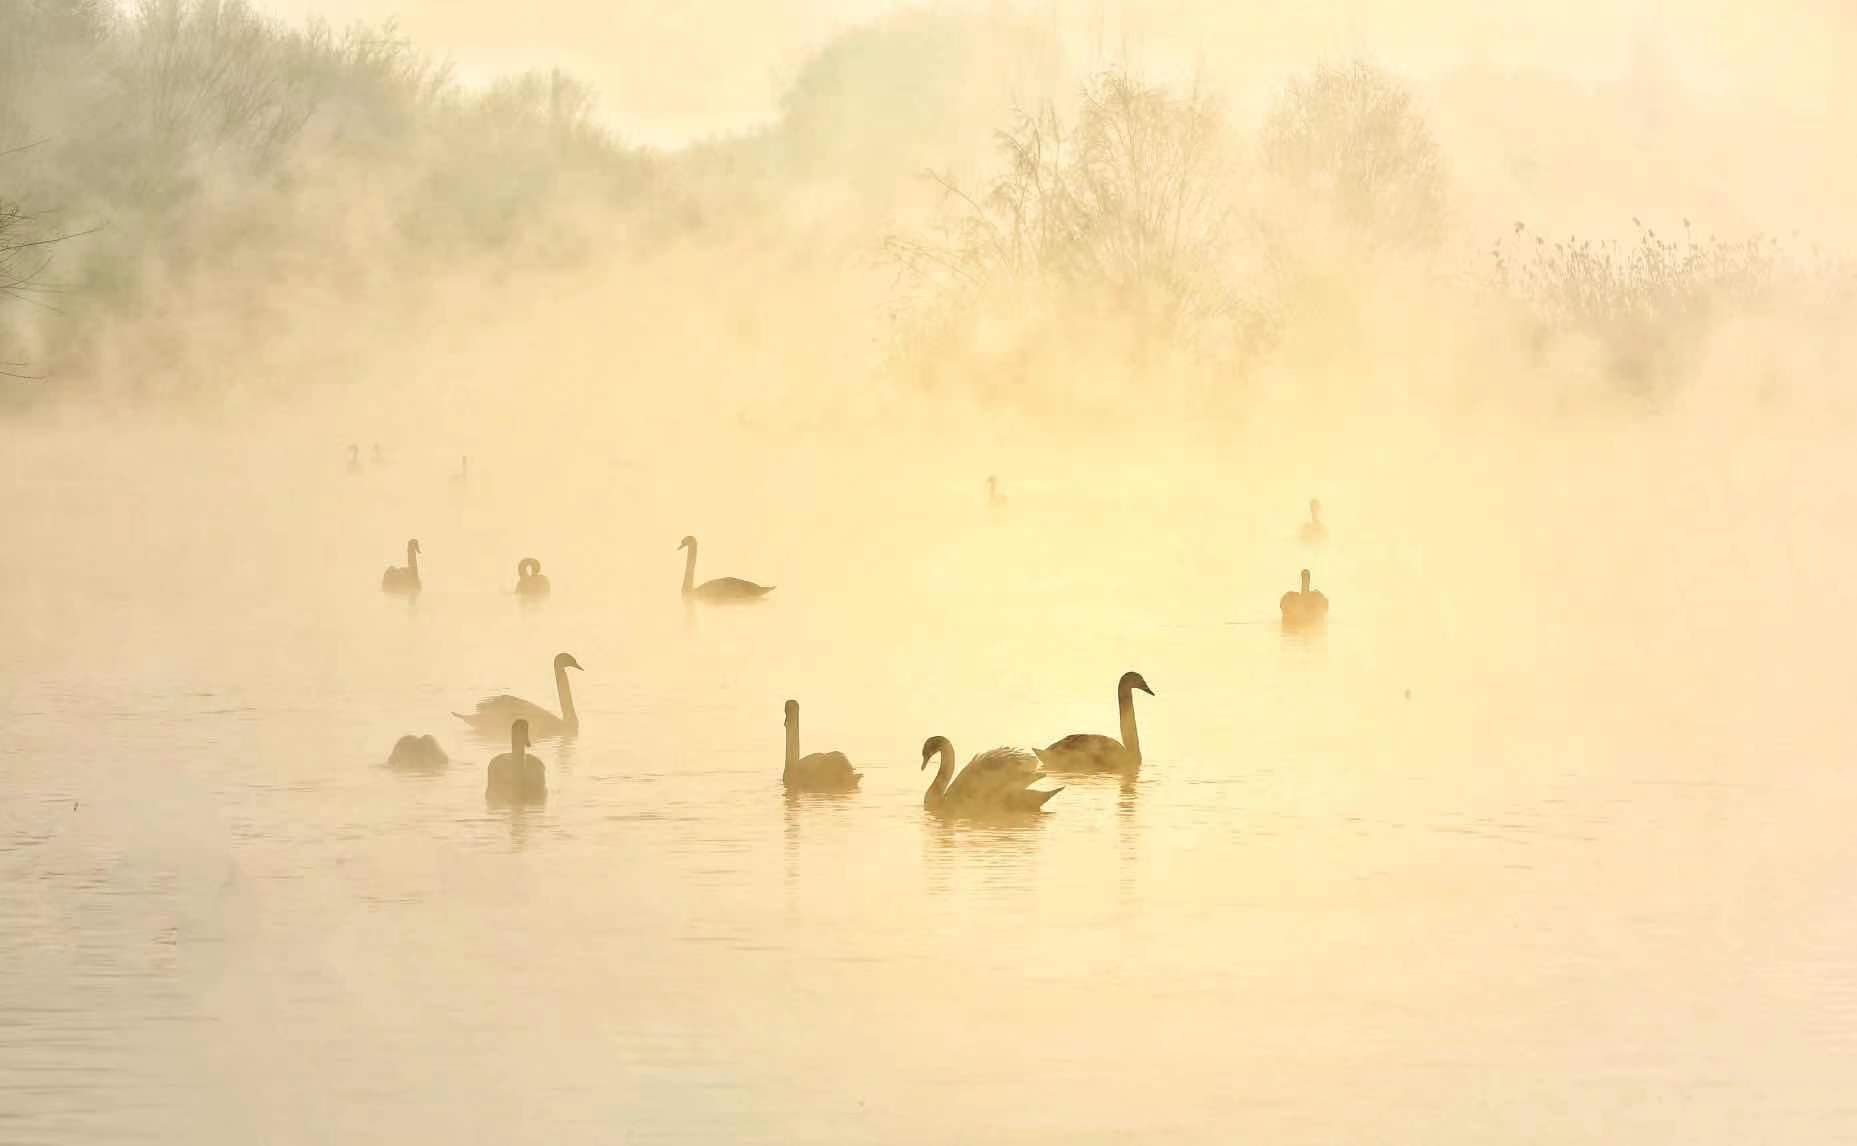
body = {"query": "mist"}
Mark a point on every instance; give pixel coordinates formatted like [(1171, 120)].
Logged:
[(1539, 838)]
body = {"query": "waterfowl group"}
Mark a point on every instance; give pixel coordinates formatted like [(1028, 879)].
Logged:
[(494, 714), (723, 590), (999, 781)]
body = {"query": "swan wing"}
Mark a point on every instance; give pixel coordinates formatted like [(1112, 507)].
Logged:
[(825, 770), (1081, 750), (993, 773), (498, 712), (729, 588)]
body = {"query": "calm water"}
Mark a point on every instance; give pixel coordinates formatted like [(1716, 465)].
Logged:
[(1593, 880)]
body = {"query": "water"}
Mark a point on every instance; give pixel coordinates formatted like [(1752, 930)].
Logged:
[(1591, 880)]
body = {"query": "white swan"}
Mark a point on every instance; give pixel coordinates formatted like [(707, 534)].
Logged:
[(494, 714), (417, 753), (723, 589), (1089, 752), (1313, 531), (531, 582), (516, 776), (818, 771), (998, 781), (1305, 610), (403, 578)]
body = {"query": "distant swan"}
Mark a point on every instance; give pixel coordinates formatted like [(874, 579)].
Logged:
[(516, 776), (530, 582), (1089, 752), (495, 713), (417, 752), (354, 458), (1305, 610), (722, 589), (996, 781), (1313, 531), (819, 771), (403, 578), (995, 498), (461, 481)]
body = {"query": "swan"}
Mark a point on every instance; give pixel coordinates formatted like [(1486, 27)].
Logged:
[(516, 776), (530, 581), (417, 752), (722, 589), (461, 481), (494, 713), (995, 498), (1305, 610), (403, 578), (380, 458), (1088, 752), (998, 780), (1313, 531), (354, 458), (818, 771)]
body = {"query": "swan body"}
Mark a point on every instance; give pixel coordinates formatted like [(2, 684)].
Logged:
[(516, 777), (417, 752), (494, 715), (1307, 609), (403, 578), (996, 782), (531, 582), (723, 590), (1090, 752), (1313, 531), (816, 771)]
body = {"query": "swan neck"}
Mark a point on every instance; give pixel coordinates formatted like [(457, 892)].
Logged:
[(689, 568), (938, 787), (566, 695), (793, 745), (1131, 740), (412, 559)]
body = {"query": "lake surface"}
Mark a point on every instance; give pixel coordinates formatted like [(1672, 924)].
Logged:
[(1548, 839)]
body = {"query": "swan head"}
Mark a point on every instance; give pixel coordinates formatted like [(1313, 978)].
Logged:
[(1305, 580), (519, 734), (1315, 510), (687, 543), (1133, 680), (793, 712), (932, 746), (413, 546), (566, 661), (528, 567)]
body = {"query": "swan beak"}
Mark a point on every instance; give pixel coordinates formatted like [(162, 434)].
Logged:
[(1147, 690), (924, 763)]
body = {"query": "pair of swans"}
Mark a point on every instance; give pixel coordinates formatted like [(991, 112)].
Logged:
[(403, 578), (721, 591), (993, 783), (1307, 609), (531, 583), (494, 715)]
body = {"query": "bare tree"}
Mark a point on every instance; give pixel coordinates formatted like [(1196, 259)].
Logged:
[(1126, 212), (1351, 139)]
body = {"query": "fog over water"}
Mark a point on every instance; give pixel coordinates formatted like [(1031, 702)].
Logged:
[(1544, 837)]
